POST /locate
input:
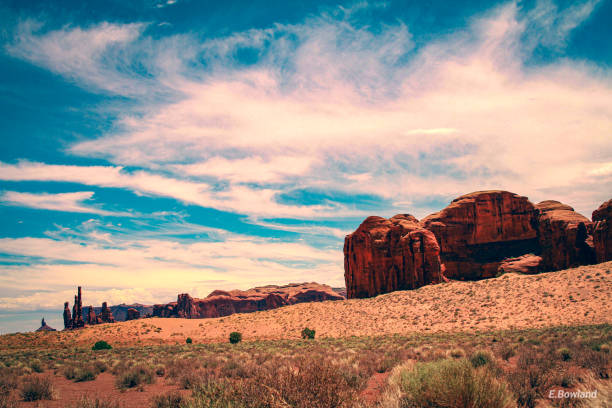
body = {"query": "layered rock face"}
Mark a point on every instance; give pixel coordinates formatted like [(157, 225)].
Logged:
[(384, 255), (224, 303), (564, 236), (477, 231), (478, 235), (602, 232)]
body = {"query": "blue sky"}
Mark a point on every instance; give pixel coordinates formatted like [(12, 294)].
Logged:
[(157, 147)]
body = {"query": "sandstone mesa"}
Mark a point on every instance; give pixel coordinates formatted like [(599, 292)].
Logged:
[(478, 235)]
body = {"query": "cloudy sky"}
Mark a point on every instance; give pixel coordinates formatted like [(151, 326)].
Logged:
[(155, 147)]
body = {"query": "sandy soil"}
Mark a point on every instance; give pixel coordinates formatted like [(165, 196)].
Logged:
[(68, 393), (577, 296)]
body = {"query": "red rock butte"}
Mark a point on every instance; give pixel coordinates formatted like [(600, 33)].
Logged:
[(478, 235), (224, 303)]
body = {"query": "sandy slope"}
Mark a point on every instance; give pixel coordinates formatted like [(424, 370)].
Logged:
[(577, 296)]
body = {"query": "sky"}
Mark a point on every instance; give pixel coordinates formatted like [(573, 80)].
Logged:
[(154, 147)]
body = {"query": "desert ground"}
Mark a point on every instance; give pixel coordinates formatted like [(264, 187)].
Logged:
[(554, 327)]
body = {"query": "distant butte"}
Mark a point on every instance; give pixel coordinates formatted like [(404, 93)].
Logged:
[(224, 303)]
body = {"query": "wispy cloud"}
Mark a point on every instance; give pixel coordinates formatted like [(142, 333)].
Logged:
[(67, 202)]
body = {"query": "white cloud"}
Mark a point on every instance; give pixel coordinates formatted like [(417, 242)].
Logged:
[(238, 198), (355, 121), (68, 202), (93, 55)]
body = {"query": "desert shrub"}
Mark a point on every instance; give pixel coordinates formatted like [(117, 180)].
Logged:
[(507, 351), (8, 382), (597, 362), (532, 376), (480, 358), (308, 333), (86, 373), (160, 370), (100, 366), (36, 366), (7, 401), (70, 372), (235, 337), (135, 376), (34, 388), (86, 402), (101, 345), (564, 353), (188, 340), (172, 399), (453, 384)]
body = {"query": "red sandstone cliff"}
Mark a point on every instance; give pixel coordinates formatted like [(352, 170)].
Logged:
[(478, 235), (602, 231), (564, 236), (384, 255), (477, 231), (223, 303)]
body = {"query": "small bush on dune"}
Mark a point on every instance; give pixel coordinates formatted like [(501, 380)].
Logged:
[(101, 345), (308, 333), (451, 384), (188, 340), (235, 337), (34, 388)]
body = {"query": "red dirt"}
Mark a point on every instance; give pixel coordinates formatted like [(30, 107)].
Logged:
[(375, 387), (68, 393)]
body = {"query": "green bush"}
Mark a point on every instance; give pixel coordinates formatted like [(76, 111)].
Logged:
[(188, 340), (235, 337), (101, 345), (34, 388), (308, 333), (480, 358), (452, 384)]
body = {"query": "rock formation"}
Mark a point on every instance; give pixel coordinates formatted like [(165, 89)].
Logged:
[(106, 316), (223, 303), (602, 232), (132, 314), (564, 236), (77, 313), (120, 311), (477, 231), (76, 319), (384, 255), (478, 235), (91, 316), (44, 327), (67, 316)]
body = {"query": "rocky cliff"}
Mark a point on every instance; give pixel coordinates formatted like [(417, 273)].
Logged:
[(223, 303), (478, 235), (477, 231), (602, 232), (384, 255)]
